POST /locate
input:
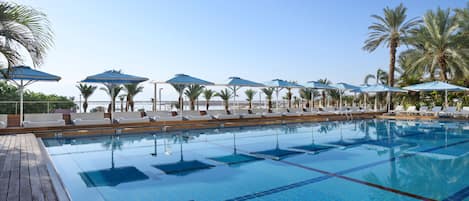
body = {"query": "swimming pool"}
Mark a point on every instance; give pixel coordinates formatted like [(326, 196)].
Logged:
[(348, 160)]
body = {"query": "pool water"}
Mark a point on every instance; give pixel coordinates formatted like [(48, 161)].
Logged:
[(348, 160)]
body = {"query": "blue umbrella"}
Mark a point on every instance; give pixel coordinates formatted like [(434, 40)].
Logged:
[(23, 76), (317, 85), (184, 80), (114, 78), (279, 84), (436, 86), (342, 87), (237, 83), (381, 88)]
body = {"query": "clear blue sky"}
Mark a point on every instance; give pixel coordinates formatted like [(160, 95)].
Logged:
[(260, 40)]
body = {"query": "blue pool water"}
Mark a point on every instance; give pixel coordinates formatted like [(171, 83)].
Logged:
[(353, 160)]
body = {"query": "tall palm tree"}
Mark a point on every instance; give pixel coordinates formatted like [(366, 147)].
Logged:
[(439, 48), (132, 90), (193, 92), (250, 96), (225, 95), (23, 28), (180, 89), (268, 95), (208, 94), (86, 91), (109, 89), (391, 30), (380, 77), (326, 82)]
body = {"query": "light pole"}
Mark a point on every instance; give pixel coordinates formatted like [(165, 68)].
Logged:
[(159, 95)]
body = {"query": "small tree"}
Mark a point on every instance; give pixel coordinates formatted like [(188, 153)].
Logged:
[(225, 95), (268, 95), (208, 94), (132, 90), (86, 91), (193, 92), (109, 89), (250, 96)]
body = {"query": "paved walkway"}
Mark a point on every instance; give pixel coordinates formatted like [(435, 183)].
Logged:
[(23, 170)]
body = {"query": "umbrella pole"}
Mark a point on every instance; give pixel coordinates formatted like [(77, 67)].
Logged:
[(340, 100), (21, 88), (181, 102), (312, 100), (276, 102), (235, 104), (112, 103), (446, 99)]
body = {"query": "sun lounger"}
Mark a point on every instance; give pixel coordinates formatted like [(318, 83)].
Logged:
[(223, 115), (129, 117), (410, 110), (422, 110), (94, 118), (163, 116), (196, 115), (43, 120), (463, 113), (251, 115), (450, 111), (397, 110), (434, 111), (293, 113), (3, 120), (269, 114)]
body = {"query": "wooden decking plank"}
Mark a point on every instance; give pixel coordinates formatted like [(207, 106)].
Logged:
[(45, 180), (36, 188), (14, 168), (25, 185), (4, 171)]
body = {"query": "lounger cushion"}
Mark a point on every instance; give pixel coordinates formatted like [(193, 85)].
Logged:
[(43, 120), (80, 122), (94, 118), (3, 121)]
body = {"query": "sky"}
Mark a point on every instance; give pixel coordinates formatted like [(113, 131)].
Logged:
[(259, 40)]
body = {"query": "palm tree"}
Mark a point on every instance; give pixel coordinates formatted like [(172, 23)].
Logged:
[(225, 95), (268, 95), (193, 92), (121, 98), (132, 90), (250, 96), (390, 30), (23, 27), (326, 82), (208, 94), (380, 77), (306, 94), (114, 90), (86, 91), (439, 48), (180, 89)]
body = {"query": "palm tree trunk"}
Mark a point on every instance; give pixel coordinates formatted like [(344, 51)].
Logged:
[(207, 105), (442, 62), (392, 63), (250, 104), (289, 97), (192, 104), (85, 105)]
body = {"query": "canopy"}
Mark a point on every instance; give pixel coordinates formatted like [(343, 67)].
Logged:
[(345, 87), (435, 86), (114, 77), (278, 83), (237, 82), (380, 88), (317, 85), (22, 74), (183, 79)]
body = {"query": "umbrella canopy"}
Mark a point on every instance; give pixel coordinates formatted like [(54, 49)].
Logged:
[(435, 86), (237, 82), (183, 79), (279, 84), (114, 77), (380, 88), (23, 76), (317, 85), (345, 87)]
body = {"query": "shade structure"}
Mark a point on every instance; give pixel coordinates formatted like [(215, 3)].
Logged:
[(114, 78), (437, 86), (316, 85), (381, 88), (23, 76), (279, 84), (237, 82), (185, 80), (342, 87)]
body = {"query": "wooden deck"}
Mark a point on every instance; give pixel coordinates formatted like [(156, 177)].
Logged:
[(24, 175)]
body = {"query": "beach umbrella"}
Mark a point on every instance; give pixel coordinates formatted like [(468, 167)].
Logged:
[(381, 88), (342, 87), (114, 78), (317, 85), (185, 80), (436, 86), (237, 82), (279, 84), (22, 76)]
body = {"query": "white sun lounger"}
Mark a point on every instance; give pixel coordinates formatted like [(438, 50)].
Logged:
[(411, 110), (94, 118), (163, 116), (195, 115), (43, 120), (397, 110), (450, 111), (3, 120), (271, 114), (222, 115), (293, 113), (434, 111), (251, 115), (129, 117), (463, 113), (422, 110)]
